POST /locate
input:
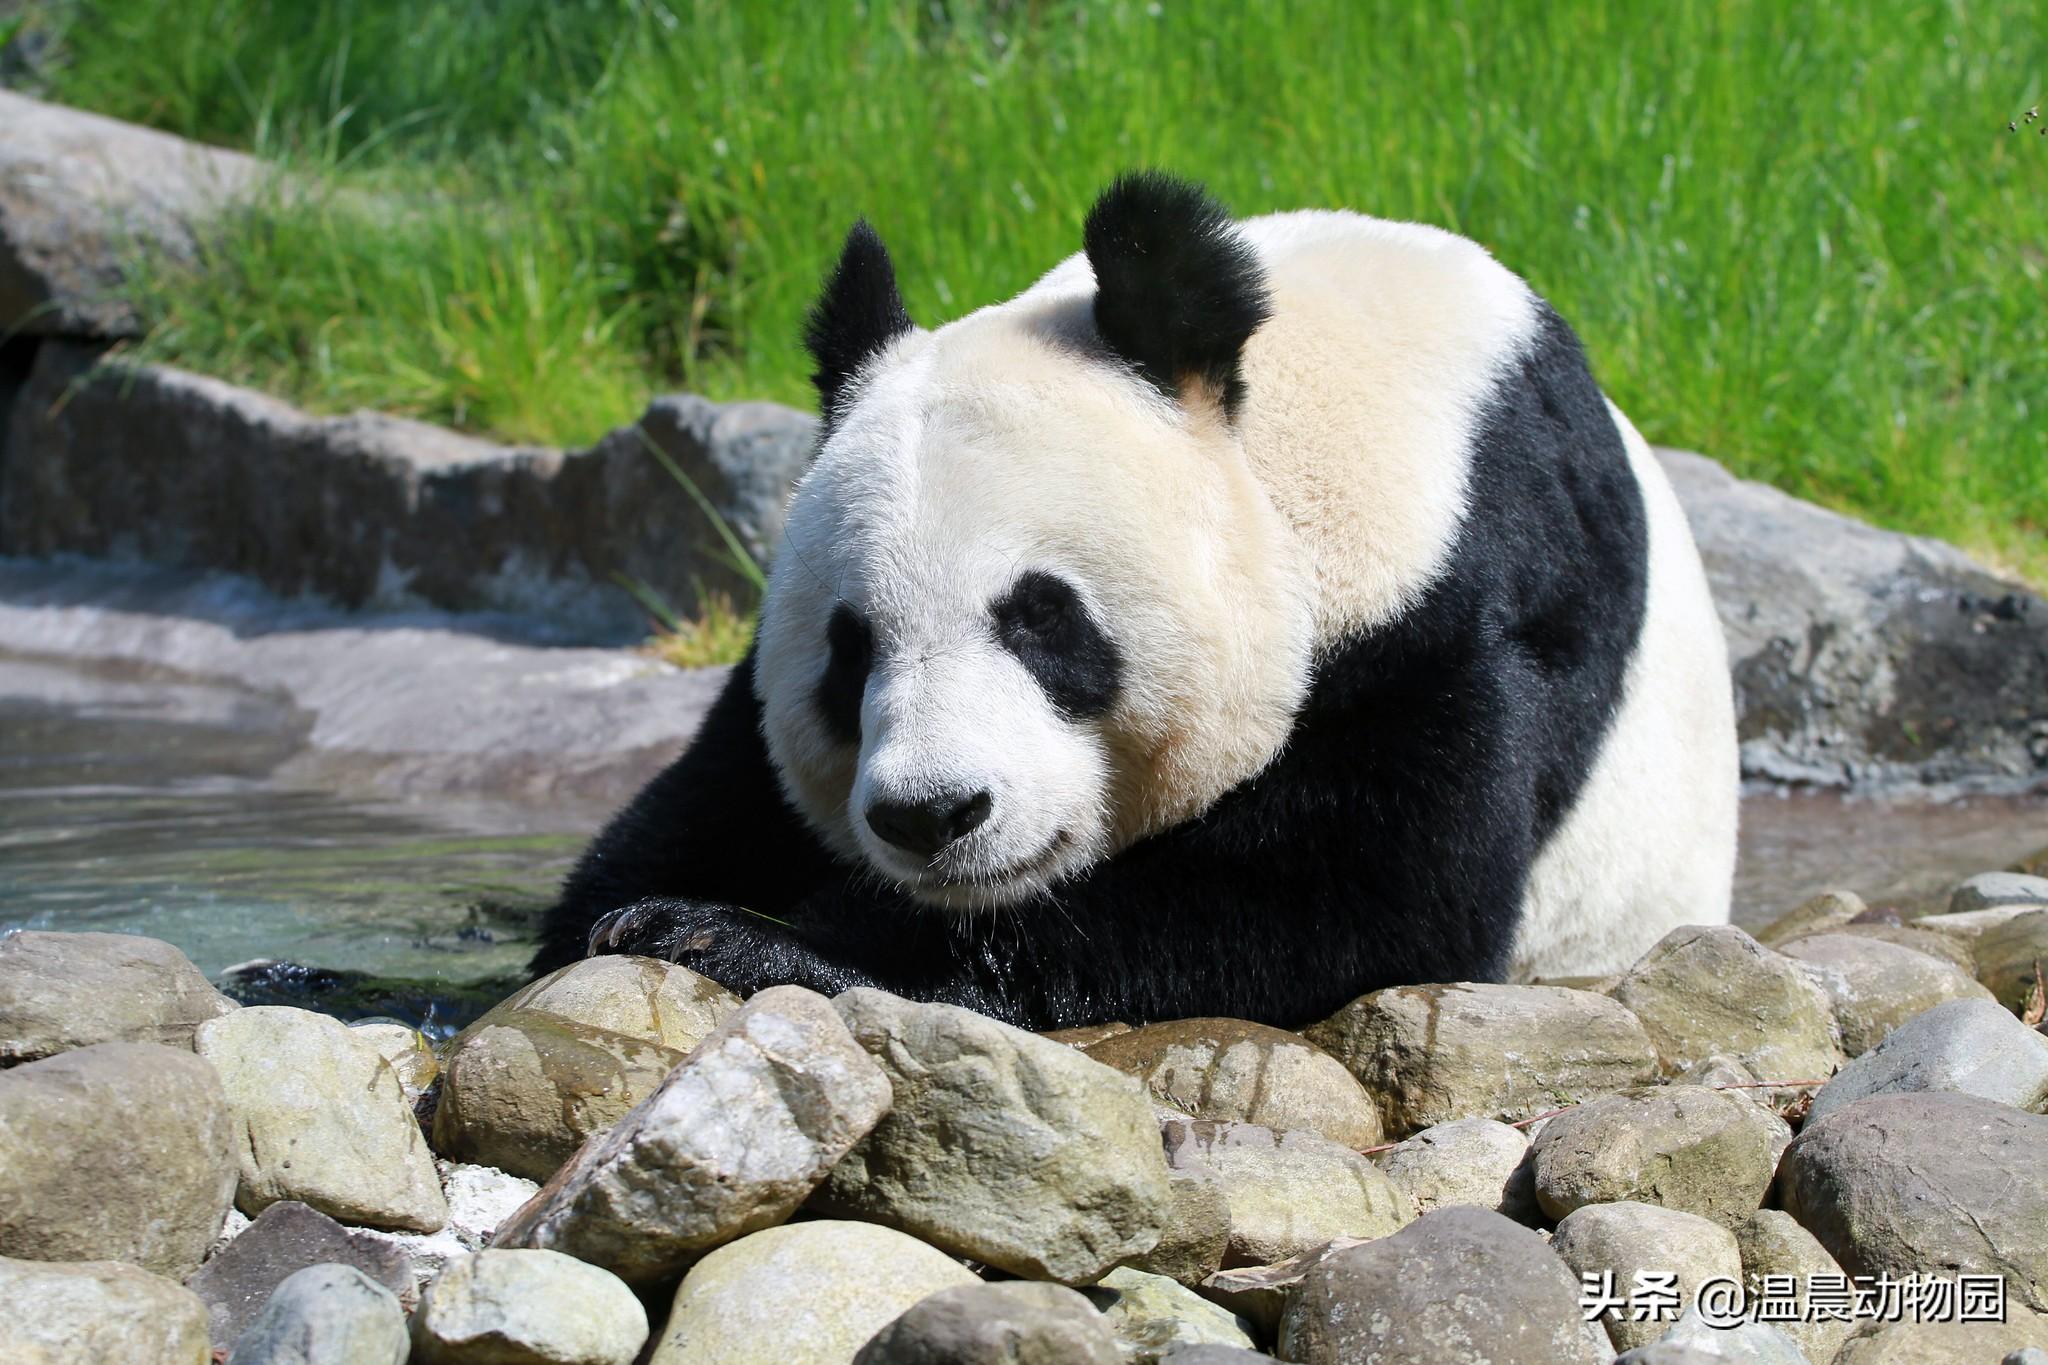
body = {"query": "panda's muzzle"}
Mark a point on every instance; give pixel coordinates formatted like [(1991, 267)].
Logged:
[(929, 827)]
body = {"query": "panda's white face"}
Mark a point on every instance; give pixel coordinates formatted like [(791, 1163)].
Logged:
[(1027, 611)]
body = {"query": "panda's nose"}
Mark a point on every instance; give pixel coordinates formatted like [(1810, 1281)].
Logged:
[(926, 827)]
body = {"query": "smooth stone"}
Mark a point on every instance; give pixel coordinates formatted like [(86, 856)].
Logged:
[(1149, 1315), (1429, 1054), (1457, 1284), (285, 1239), (1003, 1146), (1964, 1047), (1018, 1322), (641, 997), (118, 1151), (1481, 1162), (62, 991), (1086, 1035), (1231, 1069), (321, 1118), (1967, 926), (811, 1292), (481, 1199), (1258, 1293), (1680, 1147), (1702, 990), (1631, 1238), (98, 1313), (1990, 890), (1931, 1183), (1950, 949), (1946, 1343), (406, 1050), (1877, 986), (1815, 915), (1287, 1192), (1693, 1339), (1772, 1243), (2008, 956), (326, 1315), (1205, 1354), (1197, 1233), (733, 1140), (516, 1307)]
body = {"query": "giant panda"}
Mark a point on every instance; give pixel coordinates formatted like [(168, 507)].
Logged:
[(1246, 616)]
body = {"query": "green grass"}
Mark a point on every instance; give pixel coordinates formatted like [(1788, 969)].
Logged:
[(1798, 237)]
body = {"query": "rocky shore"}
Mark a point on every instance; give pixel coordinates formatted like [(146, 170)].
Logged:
[(1828, 1142)]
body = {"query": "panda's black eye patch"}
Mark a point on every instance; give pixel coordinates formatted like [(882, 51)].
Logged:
[(1042, 620), (852, 645)]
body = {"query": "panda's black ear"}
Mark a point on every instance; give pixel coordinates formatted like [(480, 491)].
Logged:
[(1177, 291), (855, 318)]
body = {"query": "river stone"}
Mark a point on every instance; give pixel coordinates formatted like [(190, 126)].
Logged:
[(1231, 1069), (1773, 1243), (1950, 949), (1018, 1322), (285, 1239), (120, 1151), (1691, 1339), (515, 1307), (641, 997), (1003, 1146), (326, 1315), (61, 991), (1432, 1053), (1990, 890), (1682, 1147), (815, 1291), (1287, 1192), (1970, 925), (1965, 1047), (1481, 1162), (2008, 956), (1816, 915), (1706, 989), (522, 1091), (406, 1050), (320, 1117), (1150, 1315), (1457, 1284), (1206, 1354), (97, 1313), (1934, 1183), (1259, 1293), (480, 1200), (1877, 986), (1086, 1036), (1946, 1343), (734, 1140), (1197, 1232), (1629, 1238)]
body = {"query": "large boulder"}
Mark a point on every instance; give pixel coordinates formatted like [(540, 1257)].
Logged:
[(60, 991), (1196, 1237), (1287, 1192), (527, 1306), (1965, 1047), (1780, 1255), (103, 1312), (1704, 991), (1018, 1322), (1876, 986), (1481, 1162), (1620, 1247), (1685, 1147)]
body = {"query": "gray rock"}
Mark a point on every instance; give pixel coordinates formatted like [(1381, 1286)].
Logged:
[(480, 1200), (734, 1140), (1828, 911), (1457, 1284), (1150, 1315), (1932, 1183), (1968, 926), (1085, 1036), (406, 1051), (1945, 1343), (1877, 986), (1947, 947), (320, 1117), (1231, 1069), (1214, 1355), (120, 1151), (2009, 955), (326, 1315), (1630, 1239), (1433, 1053), (1481, 1162), (285, 1239), (527, 1306), (1003, 1146), (1196, 1237), (1019, 1322), (1707, 990), (1991, 890), (1967, 1047), (1681, 1147), (1773, 1244), (641, 997), (61, 991), (1259, 1293), (1288, 1192), (803, 1291), (1692, 1339), (97, 1312)]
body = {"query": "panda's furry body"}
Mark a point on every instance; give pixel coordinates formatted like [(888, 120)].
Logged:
[(1245, 617)]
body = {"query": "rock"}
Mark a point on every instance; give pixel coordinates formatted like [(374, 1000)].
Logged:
[(1992, 890), (1863, 656), (115, 1151), (1150, 1315), (1965, 1047), (1197, 1233), (326, 1315), (1231, 1069), (1003, 1146), (61, 991), (1629, 1239), (1945, 1343), (1457, 1284), (79, 194), (97, 1313), (641, 997), (320, 1117), (1087, 1035), (1950, 949), (1934, 1183), (1706, 990), (406, 1051), (815, 1291), (513, 1307), (522, 1091), (1019, 1322), (734, 1140), (286, 1239), (1287, 1192), (1691, 1339), (1970, 925), (1828, 911), (1877, 986), (1259, 1293), (2010, 955), (1214, 1355), (2034, 864), (1678, 1147), (1432, 1053), (1773, 1245), (1481, 1162), (480, 1200)]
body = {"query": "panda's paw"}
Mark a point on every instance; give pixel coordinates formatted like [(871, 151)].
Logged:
[(737, 948)]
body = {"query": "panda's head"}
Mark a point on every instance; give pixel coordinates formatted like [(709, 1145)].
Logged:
[(1032, 604)]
